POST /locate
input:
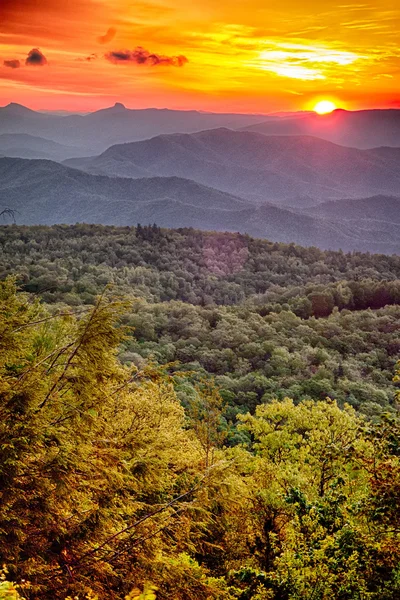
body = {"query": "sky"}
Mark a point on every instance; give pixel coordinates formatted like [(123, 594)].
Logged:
[(253, 56)]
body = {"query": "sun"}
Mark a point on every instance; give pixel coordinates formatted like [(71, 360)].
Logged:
[(324, 107)]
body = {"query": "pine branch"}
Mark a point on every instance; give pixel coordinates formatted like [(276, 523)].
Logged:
[(136, 524), (74, 352)]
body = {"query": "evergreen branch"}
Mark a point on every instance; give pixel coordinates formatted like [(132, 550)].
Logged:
[(52, 317), (75, 351), (137, 523)]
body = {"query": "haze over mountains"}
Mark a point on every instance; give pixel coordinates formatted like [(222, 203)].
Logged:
[(23, 145), (278, 169), (276, 178), (45, 192), (360, 129), (94, 132)]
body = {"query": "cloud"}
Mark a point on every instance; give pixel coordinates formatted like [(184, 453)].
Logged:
[(300, 61), (108, 36), (141, 56), (12, 64), (36, 58)]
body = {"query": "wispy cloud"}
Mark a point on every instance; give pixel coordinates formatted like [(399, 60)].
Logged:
[(365, 24), (300, 61)]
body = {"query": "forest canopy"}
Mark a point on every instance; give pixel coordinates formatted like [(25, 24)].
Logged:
[(196, 416), (110, 489), (265, 319)]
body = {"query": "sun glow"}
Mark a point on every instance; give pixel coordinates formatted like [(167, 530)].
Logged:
[(323, 107)]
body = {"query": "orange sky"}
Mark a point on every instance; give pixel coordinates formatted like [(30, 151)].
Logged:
[(238, 55)]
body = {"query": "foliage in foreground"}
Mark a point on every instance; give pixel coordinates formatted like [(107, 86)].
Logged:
[(108, 489)]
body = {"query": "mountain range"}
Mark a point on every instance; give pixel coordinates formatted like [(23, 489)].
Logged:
[(296, 170), (359, 129), (23, 145), (46, 192), (94, 132), (331, 181)]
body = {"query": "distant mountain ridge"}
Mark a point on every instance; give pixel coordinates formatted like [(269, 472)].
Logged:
[(359, 129), (94, 132), (45, 192), (375, 208), (257, 167), (307, 183), (23, 145)]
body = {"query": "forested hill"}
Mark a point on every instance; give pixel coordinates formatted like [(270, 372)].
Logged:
[(227, 430), (112, 490), (74, 263)]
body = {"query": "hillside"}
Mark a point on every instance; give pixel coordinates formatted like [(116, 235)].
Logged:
[(153, 366), (22, 145), (176, 264), (376, 208), (279, 169), (47, 192), (265, 319)]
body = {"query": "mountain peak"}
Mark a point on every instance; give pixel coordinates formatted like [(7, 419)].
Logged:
[(118, 108), (17, 109)]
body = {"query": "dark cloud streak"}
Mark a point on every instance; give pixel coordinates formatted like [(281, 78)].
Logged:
[(141, 56)]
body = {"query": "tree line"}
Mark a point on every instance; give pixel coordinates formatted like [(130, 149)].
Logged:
[(72, 264)]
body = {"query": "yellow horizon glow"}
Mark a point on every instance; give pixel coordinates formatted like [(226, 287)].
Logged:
[(324, 107)]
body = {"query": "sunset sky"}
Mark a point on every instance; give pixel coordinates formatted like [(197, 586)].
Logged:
[(221, 55)]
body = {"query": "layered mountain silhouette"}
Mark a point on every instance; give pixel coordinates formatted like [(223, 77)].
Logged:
[(46, 192), (23, 145), (376, 208), (332, 181), (359, 129), (296, 170), (94, 132)]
